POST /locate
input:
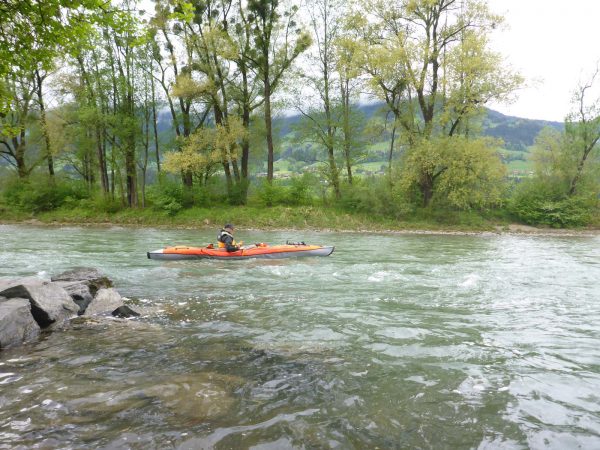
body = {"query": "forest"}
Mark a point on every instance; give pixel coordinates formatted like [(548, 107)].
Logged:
[(158, 108)]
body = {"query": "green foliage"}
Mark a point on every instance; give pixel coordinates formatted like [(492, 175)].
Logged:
[(172, 197), (41, 194), (166, 196), (455, 171), (299, 191), (374, 196), (537, 203), (269, 194)]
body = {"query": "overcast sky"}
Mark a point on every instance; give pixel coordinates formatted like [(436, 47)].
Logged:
[(554, 44)]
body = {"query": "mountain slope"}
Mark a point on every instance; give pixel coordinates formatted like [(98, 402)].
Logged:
[(516, 132)]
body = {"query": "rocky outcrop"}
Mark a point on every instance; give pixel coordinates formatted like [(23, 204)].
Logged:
[(79, 292), (105, 302), (92, 278), (17, 325), (51, 305), (29, 304)]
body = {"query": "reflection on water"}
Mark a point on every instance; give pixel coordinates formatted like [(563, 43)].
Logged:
[(393, 341)]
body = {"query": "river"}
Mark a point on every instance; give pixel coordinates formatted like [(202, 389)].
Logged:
[(394, 341)]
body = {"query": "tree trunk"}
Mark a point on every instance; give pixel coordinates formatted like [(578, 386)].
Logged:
[(19, 146), (155, 124), (344, 86), (426, 187), (43, 123), (269, 128), (391, 153), (245, 141)]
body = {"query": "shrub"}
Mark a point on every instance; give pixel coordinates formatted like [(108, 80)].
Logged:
[(537, 204), (43, 194), (375, 196), (270, 194), (296, 192), (166, 196), (300, 191), (102, 204)]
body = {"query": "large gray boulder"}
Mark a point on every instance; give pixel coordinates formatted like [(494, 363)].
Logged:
[(91, 277), (51, 305), (16, 322), (79, 292), (105, 302), (9, 282)]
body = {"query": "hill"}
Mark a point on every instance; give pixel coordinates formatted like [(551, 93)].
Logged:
[(516, 132), (518, 135)]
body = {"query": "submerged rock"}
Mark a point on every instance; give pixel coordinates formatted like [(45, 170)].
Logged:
[(16, 322), (105, 302), (200, 396), (125, 312), (93, 278), (51, 305)]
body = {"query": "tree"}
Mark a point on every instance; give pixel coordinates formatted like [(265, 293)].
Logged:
[(379, 54), (322, 115), (244, 85), (466, 172), (582, 129), (430, 60), (352, 120), (204, 149), (277, 43), (34, 32), (39, 78), (15, 121), (547, 156)]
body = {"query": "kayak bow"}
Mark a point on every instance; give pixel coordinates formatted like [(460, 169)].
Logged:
[(265, 252)]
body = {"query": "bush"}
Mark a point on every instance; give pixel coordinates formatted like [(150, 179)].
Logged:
[(166, 196), (536, 204), (269, 194), (297, 192), (43, 194), (375, 196), (101, 203)]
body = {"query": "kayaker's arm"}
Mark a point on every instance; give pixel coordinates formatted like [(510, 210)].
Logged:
[(229, 246)]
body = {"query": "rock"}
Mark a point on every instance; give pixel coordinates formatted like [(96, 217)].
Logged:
[(79, 292), (92, 278), (124, 312), (105, 301), (50, 303), (6, 283), (16, 322)]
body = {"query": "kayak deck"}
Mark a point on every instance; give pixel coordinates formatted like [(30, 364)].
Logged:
[(262, 252)]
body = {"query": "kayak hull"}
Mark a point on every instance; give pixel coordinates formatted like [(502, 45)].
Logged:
[(272, 252)]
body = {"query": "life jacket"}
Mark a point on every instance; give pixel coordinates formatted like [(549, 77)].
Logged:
[(221, 237)]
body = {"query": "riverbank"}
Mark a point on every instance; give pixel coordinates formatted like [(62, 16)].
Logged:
[(316, 218)]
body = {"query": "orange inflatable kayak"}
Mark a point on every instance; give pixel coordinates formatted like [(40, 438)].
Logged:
[(253, 251)]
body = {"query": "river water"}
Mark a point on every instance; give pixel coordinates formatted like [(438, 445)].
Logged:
[(395, 341)]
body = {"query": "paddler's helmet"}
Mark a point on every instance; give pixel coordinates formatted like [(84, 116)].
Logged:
[(228, 226)]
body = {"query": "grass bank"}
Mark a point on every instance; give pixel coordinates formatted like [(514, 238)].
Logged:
[(277, 217)]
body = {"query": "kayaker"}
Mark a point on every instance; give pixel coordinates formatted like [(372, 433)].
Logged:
[(226, 239)]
